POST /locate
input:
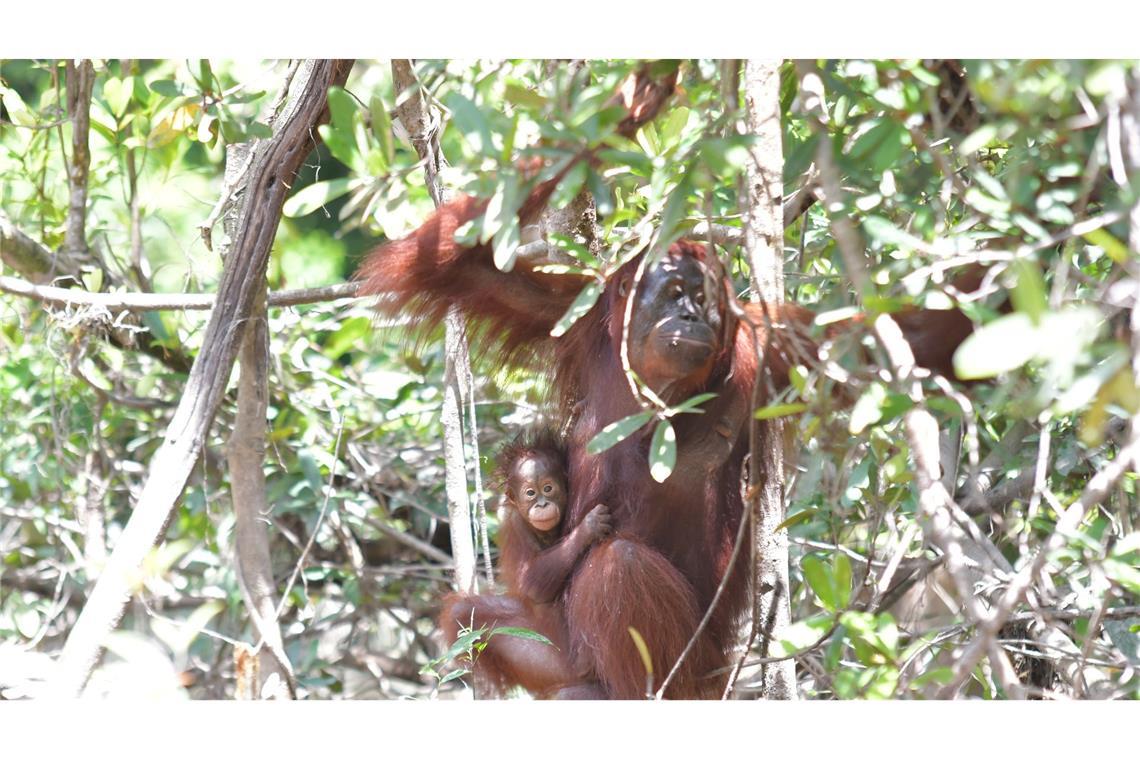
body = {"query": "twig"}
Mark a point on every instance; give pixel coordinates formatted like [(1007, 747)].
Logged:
[(423, 133), (135, 302), (80, 80)]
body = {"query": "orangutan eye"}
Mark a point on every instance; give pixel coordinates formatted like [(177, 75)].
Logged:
[(530, 493), (547, 488), (700, 299), (677, 292)]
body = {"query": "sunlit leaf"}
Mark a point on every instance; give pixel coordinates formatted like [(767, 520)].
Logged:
[(978, 139), (778, 410), (585, 301), (868, 409), (800, 635), (616, 432), (472, 124), (662, 451), (1011, 340), (342, 108), (316, 195), (1113, 248)]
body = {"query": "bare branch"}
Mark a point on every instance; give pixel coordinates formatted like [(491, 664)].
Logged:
[(185, 437), (80, 80), (423, 131)]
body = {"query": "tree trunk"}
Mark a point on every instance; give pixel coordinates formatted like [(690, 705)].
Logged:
[(764, 245)]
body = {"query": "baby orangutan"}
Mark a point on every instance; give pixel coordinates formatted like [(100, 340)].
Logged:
[(535, 561), (536, 557)]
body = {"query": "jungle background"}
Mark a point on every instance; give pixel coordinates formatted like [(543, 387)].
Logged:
[(124, 178)]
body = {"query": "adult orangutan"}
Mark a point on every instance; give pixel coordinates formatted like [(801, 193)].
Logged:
[(671, 543), (672, 540)]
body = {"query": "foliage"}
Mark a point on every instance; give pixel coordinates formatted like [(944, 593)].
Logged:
[(941, 166)]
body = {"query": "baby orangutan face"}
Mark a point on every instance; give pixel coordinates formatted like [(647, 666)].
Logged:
[(538, 491)]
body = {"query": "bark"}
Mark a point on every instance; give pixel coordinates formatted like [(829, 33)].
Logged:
[(80, 79), (424, 135), (273, 677), (23, 253), (185, 437), (764, 244)]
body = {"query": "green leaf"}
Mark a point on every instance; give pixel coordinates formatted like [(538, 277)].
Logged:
[(505, 244), (585, 301), (675, 209), (795, 519), (1028, 294), (463, 644), (800, 635), (831, 581), (603, 198), (1123, 573), (259, 130), (695, 401), (998, 346), (727, 156), (471, 123), (800, 156), (315, 196), (841, 564), (1125, 636), (778, 410), (352, 331), (978, 139), (341, 144), (382, 127), (836, 315), (1113, 248), (986, 204), (868, 409), (1011, 340), (453, 675), (168, 88), (616, 432), (663, 452), (881, 146), (524, 96), (342, 109), (93, 280), (570, 186), (881, 229), (671, 129), (521, 633), (117, 93)]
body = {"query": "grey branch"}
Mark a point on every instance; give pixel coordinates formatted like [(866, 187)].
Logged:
[(185, 437)]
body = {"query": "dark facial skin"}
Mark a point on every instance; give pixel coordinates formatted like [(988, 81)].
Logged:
[(675, 327), (538, 489)]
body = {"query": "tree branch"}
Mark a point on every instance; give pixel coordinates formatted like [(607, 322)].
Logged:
[(185, 436)]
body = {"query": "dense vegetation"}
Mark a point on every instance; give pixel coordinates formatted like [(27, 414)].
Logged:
[(1029, 168)]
